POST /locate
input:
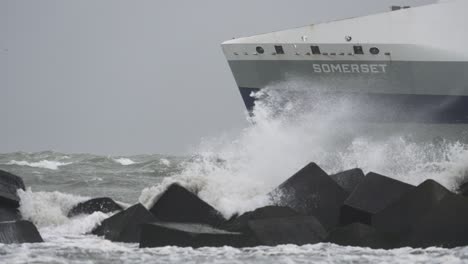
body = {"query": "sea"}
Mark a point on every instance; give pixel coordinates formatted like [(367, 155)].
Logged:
[(233, 174)]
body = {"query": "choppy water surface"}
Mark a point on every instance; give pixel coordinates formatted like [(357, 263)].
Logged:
[(233, 175)]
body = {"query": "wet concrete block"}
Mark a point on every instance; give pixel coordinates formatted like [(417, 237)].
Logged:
[(372, 195), (240, 223), (349, 180), (405, 213), (161, 234), (19, 232), (104, 204), (361, 235), (125, 226), (9, 184), (9, 214), (177, 204), (298, 230), (446, 225), (312, 192), (463, 189)]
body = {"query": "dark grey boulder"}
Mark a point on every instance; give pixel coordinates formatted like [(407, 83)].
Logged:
[(162, 234), (402, 215), (361, 235), (349, 180), (177, 204), (240, 223), (19, 232), (9, 214), (125, 226), (298, 230), (312, 192), (446, 225), (105, 205), (372, 195), (9, 185)]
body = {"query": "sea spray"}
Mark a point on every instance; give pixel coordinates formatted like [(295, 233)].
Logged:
[(47, 208), (236, 174)]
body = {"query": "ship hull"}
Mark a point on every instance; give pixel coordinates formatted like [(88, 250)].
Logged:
[(423, 92)]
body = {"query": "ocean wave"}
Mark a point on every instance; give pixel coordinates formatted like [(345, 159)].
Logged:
[(44, 164), (124, 161)]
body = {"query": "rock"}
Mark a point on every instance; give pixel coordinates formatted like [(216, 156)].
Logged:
[(9, 184), (298, 230), (9, 214), (312, 192), (19, 232), (125, 226), (177, 204), (361, 235), (372, 195), (240, 223), (446, 225), (349, 180), (401, 216), (105, 205), (162, 234)]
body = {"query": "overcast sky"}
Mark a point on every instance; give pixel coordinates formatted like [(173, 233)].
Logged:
[(133, 77)]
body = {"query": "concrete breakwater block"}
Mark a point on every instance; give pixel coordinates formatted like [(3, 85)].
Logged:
[(405, 213), (463, 189), (19, 232), (104, 204), (349, 180), (9, 184), (240, 224), (361, 235), (298, 230), (162, 234), (177, 204), (372, 195), (9, 214), (312, 192), (125, 226), (446, 225)]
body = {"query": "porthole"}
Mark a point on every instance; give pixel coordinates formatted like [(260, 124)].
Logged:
[(260, 50), (374, 51)]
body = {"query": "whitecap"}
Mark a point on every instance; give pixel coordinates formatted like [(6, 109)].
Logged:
[(124, 161), (44, 164), (165, 162)]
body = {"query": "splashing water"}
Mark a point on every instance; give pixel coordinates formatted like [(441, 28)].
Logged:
[(235, 174)]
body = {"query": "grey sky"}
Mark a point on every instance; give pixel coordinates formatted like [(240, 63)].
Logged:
[(129, 77)]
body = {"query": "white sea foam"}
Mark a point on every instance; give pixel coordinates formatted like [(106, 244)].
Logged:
[(124, 161), (235, 174), (165, 162), (47, 208), (44, 164)]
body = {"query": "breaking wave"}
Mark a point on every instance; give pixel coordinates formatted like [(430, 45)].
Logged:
[(124, 161), (48, 211), (234, 174), (43, 164)]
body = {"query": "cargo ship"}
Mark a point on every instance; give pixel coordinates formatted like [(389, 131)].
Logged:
[(411, 63)]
